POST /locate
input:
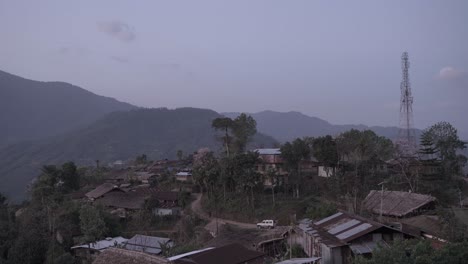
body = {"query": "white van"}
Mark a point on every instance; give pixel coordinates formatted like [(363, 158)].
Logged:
[(267, 224)]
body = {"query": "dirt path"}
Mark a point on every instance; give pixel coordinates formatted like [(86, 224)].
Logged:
[(211, 226)]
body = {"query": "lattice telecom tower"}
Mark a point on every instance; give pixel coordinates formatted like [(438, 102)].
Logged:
[(406, 134)]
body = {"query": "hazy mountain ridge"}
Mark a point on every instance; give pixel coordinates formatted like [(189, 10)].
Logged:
[(32, 110), (158, 133), (286, 126)]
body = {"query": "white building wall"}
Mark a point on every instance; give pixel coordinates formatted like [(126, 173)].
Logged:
[(326, 172)]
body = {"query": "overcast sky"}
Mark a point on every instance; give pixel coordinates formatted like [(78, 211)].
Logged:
[(337, 60)]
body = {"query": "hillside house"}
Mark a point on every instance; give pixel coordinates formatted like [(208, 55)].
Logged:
[(144, 176), (184, 176), (87, 252), (340, 237), (148, 244), (270, 159), (325, 171), (229, 254), (398, 204), (101, 190), (300, 261), (132, 199), (163, 166), (123, 256), (168, 203), (123, 202)]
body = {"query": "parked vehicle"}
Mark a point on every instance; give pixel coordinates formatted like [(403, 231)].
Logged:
[(266, 224)]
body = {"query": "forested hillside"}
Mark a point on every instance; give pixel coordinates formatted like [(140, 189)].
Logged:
[(286, 126), (31, 109), (158, 133)]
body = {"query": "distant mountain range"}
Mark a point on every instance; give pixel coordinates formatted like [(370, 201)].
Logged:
[(53, 122), (32, 110), (287, 126), (158, 133)]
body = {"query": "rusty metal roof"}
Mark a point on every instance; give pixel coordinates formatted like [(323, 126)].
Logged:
[(101, 190), (395, 203)]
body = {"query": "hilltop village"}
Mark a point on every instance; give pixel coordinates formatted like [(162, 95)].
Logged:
[(351, 198)]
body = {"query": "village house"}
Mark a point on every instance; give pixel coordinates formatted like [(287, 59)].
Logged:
[(148, 244), (125, 200), (101, 190), (123, 203), (229, 254), (163, 166), (300, 261), (184, 176), (409, 212), (270, 159), (123, 256), (325, 171), (168, 203), (144, 176), (87, 252), (340, 237), (398, 204)]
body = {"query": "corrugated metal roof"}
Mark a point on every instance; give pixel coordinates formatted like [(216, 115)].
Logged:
[(188, 254), (123, 256), (354, 231), (329, 218), (343, 226), (101, 190), (395, 203), (268, 151), (366, 247), (103, 244), (299, 261), (184, 173)]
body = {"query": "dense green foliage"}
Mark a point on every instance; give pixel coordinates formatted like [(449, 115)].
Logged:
[(159, 133), (417, 252), (293, 153), (287, 126), (243, 128), (232, 184), (45, 228)]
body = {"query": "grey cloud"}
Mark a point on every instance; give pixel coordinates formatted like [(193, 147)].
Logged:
[(454, 79), (70, 50), (120, 59), (451, 73), (117, 29)]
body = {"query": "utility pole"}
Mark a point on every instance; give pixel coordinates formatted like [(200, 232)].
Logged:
[(460, 197), (381, 200)]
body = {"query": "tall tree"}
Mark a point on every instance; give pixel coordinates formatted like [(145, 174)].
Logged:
[(206, 172), (244, 128), (225, 124), (293, 153), (70, 176), (445, 139), (361, 154), (440, 161), (325, 151), (247, 177), (180, 154), (92, 223)]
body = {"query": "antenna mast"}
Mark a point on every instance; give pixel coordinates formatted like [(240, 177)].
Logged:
[(406, 134)]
